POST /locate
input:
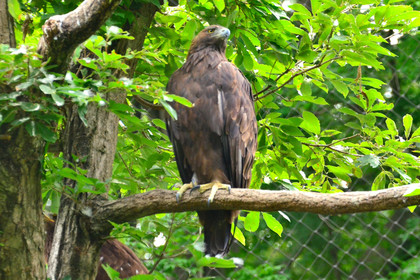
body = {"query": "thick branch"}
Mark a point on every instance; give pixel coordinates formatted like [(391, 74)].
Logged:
[(63, 33), (163, 201)]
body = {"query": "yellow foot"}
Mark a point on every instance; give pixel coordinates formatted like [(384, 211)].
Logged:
[(214, 186), (182, 189)]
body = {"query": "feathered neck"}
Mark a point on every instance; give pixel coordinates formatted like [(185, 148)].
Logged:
[(209, 56)]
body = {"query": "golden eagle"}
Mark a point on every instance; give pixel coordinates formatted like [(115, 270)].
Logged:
[(215, 140)]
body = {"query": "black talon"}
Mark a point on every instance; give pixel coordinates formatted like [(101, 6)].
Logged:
[(208, 202), (177, 197), (229, 189), (194, 188)]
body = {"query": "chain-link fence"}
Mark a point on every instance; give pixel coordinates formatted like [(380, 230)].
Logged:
[(382, 245)]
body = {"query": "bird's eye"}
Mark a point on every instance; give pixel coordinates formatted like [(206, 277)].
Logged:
[(211, 30)]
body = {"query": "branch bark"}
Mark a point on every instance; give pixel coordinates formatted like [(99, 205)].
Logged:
[(75, 247), (21, 237), (63, 33), (163, 201), (7, 34)]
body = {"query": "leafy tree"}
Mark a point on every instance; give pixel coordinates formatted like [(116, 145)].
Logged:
[(82, 117)]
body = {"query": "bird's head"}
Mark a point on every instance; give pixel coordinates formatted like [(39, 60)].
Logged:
[(214, 37)]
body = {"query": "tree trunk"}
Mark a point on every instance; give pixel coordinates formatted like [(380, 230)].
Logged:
[(95, 146), (7, 33), (21, 231)]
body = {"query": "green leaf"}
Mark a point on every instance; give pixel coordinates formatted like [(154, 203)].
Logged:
[(390, 124), (58, 100), (371, 159), (355, 59), (238, 235), (310, 123), (340, 87), (288, 26), (403, 175), (189, 30), (306, 88), (412, 208), (159, 123), (14, 8), (248, 61), (38, 129), (220, 4), (407, 122), (312, 99), (68, 173), (181, 100), (292, 130), (20, 121), (379, 182), (330, 132), (340, 172), (300, 8), (216, 262), (46, 89), (55, 202), (30, 107), (413, 190), (252, 221), (171, 111), (89, 63), (112, 274), (272, 223), (156, 275)]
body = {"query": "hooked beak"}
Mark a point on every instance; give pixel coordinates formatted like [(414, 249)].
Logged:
[(223, 33)]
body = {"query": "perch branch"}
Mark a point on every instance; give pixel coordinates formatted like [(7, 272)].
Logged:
[(163, 201)]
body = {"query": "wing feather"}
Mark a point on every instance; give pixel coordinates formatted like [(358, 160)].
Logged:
[(240, 133)]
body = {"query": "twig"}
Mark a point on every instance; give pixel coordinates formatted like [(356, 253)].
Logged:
[(295, 75), (184, 251), (343, 152), (148, 104), (125, 164), (164, 246), (343, 139), (270, 86), (329, 146)]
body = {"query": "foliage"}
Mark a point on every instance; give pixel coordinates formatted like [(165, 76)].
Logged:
[(319, 83)]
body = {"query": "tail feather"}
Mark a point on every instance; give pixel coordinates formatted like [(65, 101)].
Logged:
[(217, 231)]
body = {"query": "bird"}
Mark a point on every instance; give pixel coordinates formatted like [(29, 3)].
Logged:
[(215, 139)]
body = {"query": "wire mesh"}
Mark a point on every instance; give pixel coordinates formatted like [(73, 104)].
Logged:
[(381, 245)]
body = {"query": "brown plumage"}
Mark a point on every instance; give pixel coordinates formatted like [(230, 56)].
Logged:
[(216, 139)]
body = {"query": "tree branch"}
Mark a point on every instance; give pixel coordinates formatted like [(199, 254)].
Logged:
[(148, 104), (163, 201), (63, 33), (257, 97)]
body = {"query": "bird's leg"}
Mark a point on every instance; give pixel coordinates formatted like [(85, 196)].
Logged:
[(185, 187), (214, 186)]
